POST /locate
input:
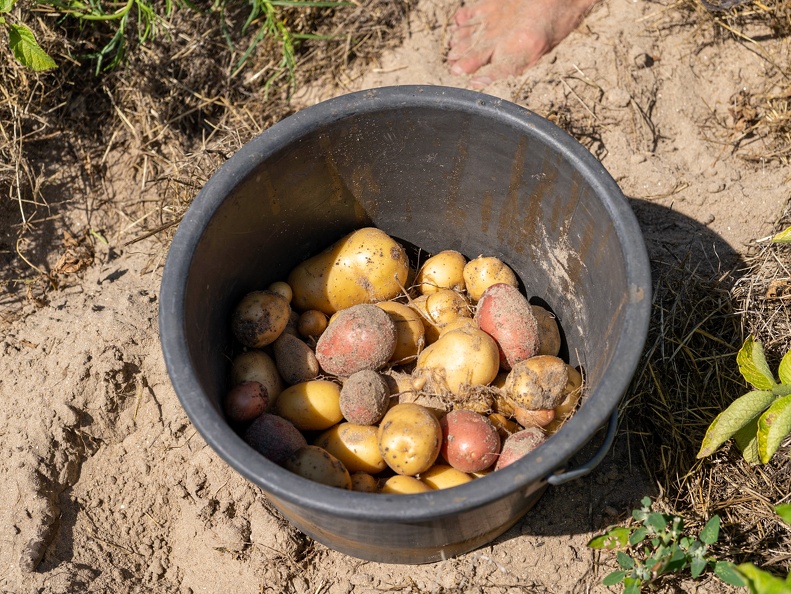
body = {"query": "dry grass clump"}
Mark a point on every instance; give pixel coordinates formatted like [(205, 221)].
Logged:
[(689, 374), (167, 117)]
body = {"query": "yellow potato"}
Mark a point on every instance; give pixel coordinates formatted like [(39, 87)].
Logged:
[(311, 406), (257, 366), (444, 476), (504, 425), (366, 266), (364, 483), (440, 309), (548, 331), (463, 357), (409, 439), (483, 272), (356, 446), (444, 270), (572, 393), (456, 324), (404, 485), (410, 331), (311, 323), (281, 288), (316, 464), (259, 318)]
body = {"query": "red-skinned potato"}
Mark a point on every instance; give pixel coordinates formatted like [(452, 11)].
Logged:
[(244, 402), (360, 337), (519, 445), (259, 318), (470, 442), (534, 418), (274, 437), (506, 315)]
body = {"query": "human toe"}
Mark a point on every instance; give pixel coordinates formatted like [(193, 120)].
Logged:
[(469, 63)]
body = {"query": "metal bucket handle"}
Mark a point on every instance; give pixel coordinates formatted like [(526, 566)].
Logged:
[(585, 469)]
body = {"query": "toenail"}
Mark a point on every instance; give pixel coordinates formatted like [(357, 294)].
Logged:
[(482, 81), (456, 69)]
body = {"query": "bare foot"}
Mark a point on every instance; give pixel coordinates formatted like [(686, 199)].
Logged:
[(494, 39)]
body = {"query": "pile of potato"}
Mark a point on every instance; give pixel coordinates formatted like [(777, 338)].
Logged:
[(361, 373)]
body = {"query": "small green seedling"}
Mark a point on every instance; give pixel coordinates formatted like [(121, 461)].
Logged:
[(659, 546), (760, 420), (23, 43)]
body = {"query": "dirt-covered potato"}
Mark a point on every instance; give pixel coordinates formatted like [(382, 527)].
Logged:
[(365, 266), (572, 393), (519, 445), (409, 439), (470, 442), (364, 482), (506, 315), (357, 446), (244, 402), (483, 272), (404, 485), (463, 357), (444, 476), (317, 464), (357, 338), (410, 331), (274, 437), (548, 331), (257, 366), (538, 382), (365, 397), (311, 323), (259, 318), (444, 270), (296, 362), (311, 406)]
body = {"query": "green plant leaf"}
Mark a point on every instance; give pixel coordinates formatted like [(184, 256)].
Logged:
[(614, 538), (773, 426), (616, 577), (784, 369), (746, 439), (657, 521), (624, 560), (631, 585), (727, 572), (6, 5), (697, 566), (762, 582), (711, 531), (739, 414), (753, 366), (784, 511), (783, 237), (27, 51), (638, 536)]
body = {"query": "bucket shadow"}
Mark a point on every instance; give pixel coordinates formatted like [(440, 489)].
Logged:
[(609, 493)]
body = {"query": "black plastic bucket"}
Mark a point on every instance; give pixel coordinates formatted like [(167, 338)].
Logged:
[(440, 168)]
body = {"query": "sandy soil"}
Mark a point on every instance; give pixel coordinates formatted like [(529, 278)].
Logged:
[(106, 487)]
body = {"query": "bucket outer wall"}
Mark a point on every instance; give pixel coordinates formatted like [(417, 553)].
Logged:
[(438, 168)]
